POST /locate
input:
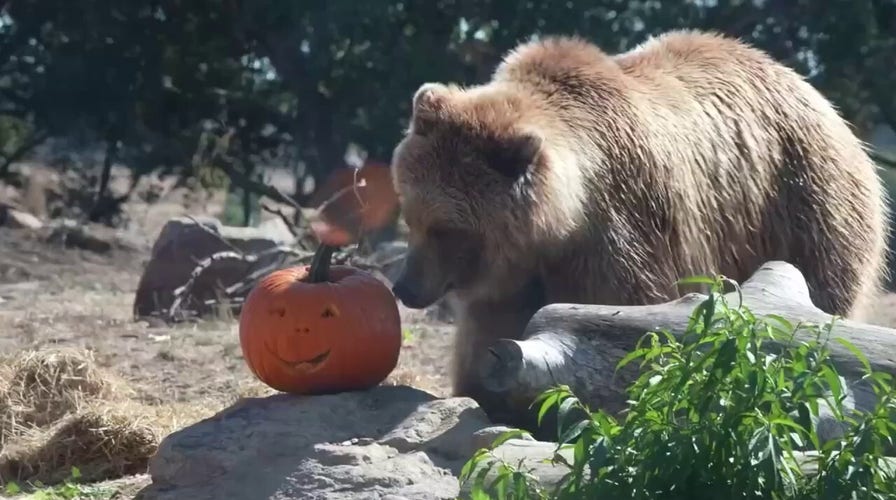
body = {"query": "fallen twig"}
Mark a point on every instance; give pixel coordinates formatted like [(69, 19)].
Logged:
[(215, 235), (290, 225), (182, 292)]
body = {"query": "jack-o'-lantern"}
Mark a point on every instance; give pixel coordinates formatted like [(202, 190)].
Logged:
[(320, 328)]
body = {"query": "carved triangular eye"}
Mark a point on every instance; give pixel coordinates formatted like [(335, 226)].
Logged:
[(330, 311)]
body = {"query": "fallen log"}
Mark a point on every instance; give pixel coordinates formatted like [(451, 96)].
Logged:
[(580, 346)]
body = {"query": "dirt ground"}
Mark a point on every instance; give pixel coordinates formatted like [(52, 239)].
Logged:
[(52, 296)]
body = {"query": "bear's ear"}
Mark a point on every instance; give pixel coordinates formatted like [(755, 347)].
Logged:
[(514, 155), (430, 105)]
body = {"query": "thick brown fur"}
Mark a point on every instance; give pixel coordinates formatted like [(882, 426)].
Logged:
[(578, 176)]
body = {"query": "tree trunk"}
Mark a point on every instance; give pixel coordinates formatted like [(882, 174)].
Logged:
[(106, 174), (103, 204), (580, 346)]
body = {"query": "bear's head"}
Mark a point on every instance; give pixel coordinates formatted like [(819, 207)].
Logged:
[(468, 174)]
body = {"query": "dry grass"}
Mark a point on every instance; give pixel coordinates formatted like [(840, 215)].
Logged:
[(42, 387), (59, 410), (415, 378), (102, 444)]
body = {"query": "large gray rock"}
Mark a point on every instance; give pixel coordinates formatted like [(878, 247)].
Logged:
[(391, 442), (182, 243)]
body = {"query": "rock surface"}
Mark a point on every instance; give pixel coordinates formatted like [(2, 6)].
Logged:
[(183, 242), (392, 442)]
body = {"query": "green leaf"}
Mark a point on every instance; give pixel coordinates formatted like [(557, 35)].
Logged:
[(12, 488), (697, 280), (785, 324), (563, 412), (628, 358), (508, 435), (546, 405), (855, 351), (833, 382), (479, 494), (472, 463), (574, 431), (787, 423)]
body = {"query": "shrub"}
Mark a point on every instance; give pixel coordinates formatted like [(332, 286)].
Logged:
[(715, 416)]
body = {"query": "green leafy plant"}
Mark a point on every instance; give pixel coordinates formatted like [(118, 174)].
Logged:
[(714, 415), (407, 336), (70, 489)]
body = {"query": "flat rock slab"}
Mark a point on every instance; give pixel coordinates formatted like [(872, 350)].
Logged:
[(392, 442)]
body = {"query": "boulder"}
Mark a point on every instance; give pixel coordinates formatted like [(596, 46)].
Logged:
[(388, 442), (183, 242)]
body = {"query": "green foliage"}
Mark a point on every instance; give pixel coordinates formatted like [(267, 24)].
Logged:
[(70, 489), (716, 415), (13, 133), (297, 83), (407, 336), (235, 211), (314, 76)]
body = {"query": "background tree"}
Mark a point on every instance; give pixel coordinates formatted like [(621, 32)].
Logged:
[(301, 81)]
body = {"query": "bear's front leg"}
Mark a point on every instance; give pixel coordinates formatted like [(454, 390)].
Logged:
[(479, 325)]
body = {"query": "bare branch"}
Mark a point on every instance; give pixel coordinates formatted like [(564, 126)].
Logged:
[(354, 189), (249, 184), (182, 292), (290, 225), (215, 235)]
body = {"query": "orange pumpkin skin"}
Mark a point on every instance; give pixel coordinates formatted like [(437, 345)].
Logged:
[(316, 338)]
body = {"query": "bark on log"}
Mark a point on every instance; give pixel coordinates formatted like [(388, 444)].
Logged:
[(580, 345)]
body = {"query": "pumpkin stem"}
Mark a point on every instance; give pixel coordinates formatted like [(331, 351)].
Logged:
[(320, 264)]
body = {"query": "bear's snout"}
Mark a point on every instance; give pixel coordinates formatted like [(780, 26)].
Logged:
[(404, 293)]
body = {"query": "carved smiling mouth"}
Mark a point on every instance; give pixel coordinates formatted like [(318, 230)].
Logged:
[(309, 365)]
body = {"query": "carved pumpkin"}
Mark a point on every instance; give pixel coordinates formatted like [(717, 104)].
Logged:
[(320, 329)]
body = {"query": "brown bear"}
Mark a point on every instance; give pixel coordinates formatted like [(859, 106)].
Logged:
[(581, 177)]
